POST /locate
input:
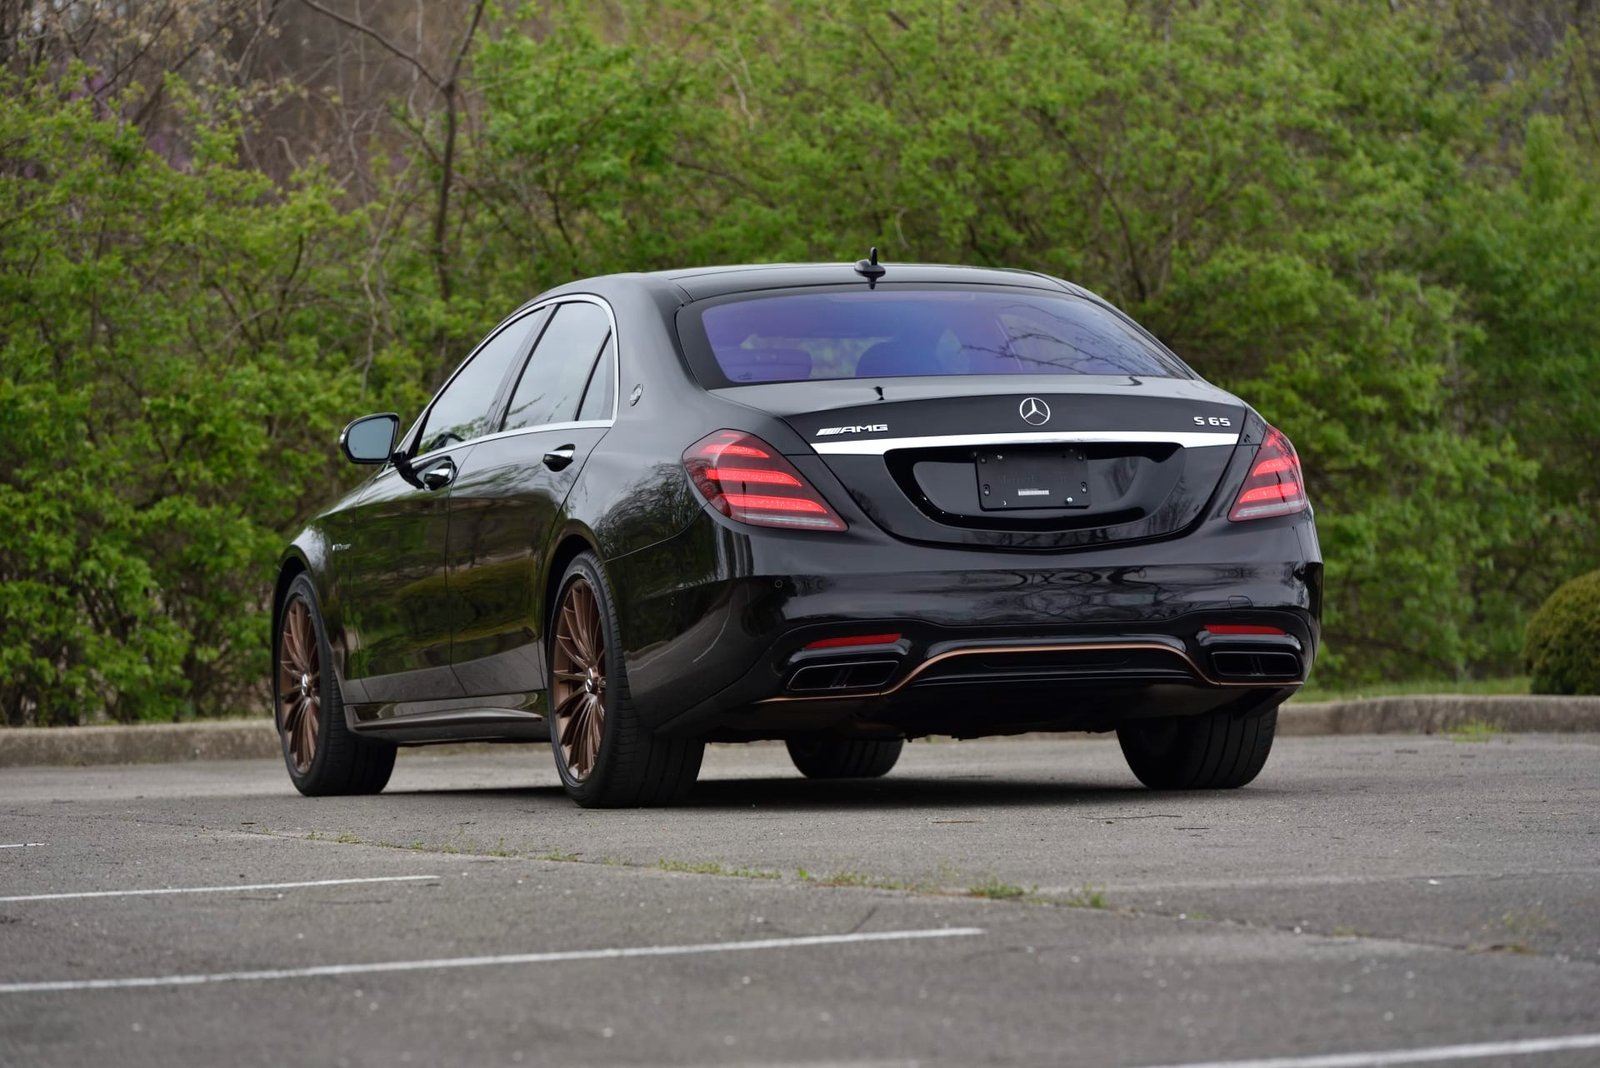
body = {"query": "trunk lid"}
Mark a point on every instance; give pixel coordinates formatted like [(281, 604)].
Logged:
[(1021, 462)]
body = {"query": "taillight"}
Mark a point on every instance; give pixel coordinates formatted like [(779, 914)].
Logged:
[(746, 479), (1275, 485)]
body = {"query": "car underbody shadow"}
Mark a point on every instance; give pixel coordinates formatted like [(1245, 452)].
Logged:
[(896, 791)]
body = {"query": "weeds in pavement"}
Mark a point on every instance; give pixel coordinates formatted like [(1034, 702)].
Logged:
[(996, 890), (713, 868), (1086, 898), (1473, 730), (558, 854), (1526, 921), (870, 882)]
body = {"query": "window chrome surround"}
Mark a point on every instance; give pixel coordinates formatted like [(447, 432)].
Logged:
[(612, 344)]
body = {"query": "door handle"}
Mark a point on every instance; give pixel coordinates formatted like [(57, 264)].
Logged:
[(439, 476), (556, 459)]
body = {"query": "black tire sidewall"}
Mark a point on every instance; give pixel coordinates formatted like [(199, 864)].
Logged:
[(836, 758), (1165, 754)]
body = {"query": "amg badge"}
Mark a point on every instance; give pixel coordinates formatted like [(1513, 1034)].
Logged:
[(866, 428)]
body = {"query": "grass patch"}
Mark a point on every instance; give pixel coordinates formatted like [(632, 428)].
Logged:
[(1086, 898), (1514, 685), (1524, 922), (1473, 730), (711, 867), (862, 879), (996, 890), (558, 854)]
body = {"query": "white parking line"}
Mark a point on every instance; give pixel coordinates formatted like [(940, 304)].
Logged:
[(484, 962), (1432, 1054), (20, 845), (216, 889)]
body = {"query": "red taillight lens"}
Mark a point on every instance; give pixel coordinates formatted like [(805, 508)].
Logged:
[(1275, 485), (1243, 628), (746, 479)]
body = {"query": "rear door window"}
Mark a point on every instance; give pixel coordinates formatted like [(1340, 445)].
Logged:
[(553, 381)]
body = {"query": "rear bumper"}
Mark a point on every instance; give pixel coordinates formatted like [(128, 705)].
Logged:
[(984, 642)]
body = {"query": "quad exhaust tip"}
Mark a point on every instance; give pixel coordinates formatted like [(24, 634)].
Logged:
[(851, 675)]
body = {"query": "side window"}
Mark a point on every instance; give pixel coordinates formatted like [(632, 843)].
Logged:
[(597, 398), (462, 411), (552, 382)]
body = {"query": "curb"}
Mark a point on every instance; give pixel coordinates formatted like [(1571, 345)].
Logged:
[(153, 743), (1432, 714), (172, 743)]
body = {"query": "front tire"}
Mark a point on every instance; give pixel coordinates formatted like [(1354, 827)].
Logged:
[(323, 756), (854, 758), (603, 753), (1215, 751)]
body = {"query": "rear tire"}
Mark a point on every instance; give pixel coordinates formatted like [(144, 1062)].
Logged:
[(324, 757), (603, 753), (1215, 751), (855, 758)]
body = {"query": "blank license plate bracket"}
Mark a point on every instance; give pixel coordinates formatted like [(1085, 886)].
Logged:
[(1011, 479)]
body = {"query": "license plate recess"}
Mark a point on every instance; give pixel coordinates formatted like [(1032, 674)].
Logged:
[(1015, 479)]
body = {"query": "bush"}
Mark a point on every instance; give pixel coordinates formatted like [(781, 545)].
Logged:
[(1563, 648)]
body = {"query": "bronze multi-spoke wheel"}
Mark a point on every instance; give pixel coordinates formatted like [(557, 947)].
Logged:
[(604, 754), (299, 684), (323, 755), (579, 673)]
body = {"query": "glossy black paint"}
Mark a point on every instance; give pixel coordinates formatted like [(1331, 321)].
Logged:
[(436, 595)]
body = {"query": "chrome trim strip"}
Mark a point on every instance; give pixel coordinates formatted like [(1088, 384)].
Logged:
[(879, 446), (582, 424), (1047, 647), (612, 344)]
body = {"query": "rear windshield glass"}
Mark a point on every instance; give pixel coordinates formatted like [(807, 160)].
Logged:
[(890, 334)]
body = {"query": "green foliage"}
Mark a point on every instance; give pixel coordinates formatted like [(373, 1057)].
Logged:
[(170, 352), (1350, 214), (1563, 646)]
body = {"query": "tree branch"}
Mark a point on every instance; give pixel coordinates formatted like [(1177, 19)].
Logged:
[(388, 45)]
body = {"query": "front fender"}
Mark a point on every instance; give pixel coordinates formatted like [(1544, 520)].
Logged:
[(313, 554)]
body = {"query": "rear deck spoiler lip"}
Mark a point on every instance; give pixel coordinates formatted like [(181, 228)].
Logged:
[(879, 446)]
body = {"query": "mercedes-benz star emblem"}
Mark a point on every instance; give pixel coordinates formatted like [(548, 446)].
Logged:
[(1034, 411)]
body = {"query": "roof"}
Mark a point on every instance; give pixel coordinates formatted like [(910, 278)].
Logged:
[(686, 284), (701, 282)]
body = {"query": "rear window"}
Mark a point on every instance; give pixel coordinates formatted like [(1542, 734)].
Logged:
[(884, 333)]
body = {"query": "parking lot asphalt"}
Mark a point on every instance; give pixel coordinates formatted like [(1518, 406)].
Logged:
[(1425, 898)]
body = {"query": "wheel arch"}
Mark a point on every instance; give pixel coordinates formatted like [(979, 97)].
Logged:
[(564, 548), (292, 566), (302, 558)]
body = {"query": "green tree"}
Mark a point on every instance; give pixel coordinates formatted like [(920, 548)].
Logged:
[(171, 341)]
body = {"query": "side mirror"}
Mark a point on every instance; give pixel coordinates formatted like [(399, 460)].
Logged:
[(370, 439)]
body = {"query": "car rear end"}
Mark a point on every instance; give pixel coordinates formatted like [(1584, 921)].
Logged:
[(982, 506)]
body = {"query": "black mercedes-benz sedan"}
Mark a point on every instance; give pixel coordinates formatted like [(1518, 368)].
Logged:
[(841, 505)]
